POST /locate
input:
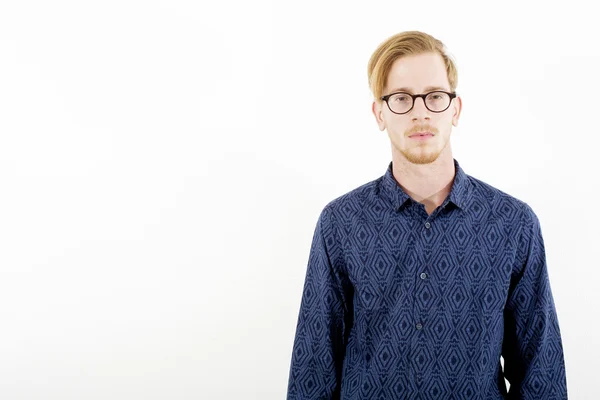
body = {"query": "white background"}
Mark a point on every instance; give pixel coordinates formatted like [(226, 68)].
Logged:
[(163, 165)]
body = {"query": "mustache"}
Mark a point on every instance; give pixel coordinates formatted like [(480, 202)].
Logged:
[(422, 128)]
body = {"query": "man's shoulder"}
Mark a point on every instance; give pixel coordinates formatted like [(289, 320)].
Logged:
[(498, 200), (353, 199)]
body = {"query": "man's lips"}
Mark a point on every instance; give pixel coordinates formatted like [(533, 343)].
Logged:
[(421, 134)]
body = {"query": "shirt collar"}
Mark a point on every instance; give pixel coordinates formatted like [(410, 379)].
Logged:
[(458, 193)]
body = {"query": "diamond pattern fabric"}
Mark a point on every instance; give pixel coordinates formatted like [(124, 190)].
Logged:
[(399, 304)]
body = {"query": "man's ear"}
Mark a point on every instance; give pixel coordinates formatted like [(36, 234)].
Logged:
[(378, 113), (457, 110)]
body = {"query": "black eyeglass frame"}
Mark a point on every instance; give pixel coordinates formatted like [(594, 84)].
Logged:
[(414, 97)]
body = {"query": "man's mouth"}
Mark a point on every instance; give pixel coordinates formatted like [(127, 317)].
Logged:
[(421, 136)]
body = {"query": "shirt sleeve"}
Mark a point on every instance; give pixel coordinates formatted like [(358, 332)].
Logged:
[(532, 347), (319, 345)]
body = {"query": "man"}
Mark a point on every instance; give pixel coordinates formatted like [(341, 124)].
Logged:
[(420, 281)]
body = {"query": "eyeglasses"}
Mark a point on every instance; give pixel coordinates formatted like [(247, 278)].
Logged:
[(401, 103)]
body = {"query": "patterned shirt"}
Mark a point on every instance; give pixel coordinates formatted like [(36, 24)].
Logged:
[(399, 304)]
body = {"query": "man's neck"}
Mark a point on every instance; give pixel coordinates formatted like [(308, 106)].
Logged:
[(429, 184)]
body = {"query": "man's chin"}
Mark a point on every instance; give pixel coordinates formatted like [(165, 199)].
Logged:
[(422, 158)]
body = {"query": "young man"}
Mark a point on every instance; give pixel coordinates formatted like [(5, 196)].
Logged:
[(420, 281)]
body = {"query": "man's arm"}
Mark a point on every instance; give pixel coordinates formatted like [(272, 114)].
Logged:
[(532, 348), (319, 346)]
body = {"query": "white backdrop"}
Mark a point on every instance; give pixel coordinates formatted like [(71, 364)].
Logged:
[(163, 165)]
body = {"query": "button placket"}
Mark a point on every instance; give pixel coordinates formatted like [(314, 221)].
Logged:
[(419, 325)]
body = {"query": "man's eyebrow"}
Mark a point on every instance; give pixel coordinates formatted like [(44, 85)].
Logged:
[(427, 89)]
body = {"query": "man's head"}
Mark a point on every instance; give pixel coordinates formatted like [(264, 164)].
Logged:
[(415, 63)]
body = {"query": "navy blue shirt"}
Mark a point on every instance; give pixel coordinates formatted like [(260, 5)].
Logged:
[(399, 304)]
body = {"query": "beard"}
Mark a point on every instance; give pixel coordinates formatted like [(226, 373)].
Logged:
[(421, 152)]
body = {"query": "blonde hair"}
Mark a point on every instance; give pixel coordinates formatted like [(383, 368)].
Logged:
[(405, 44)]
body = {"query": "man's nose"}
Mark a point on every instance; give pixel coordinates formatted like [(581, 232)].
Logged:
[(419, 110)]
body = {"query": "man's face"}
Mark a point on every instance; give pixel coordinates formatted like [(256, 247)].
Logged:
[(416, 75)]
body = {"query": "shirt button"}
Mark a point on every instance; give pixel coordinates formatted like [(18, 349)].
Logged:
[(427, 225), (423, 275), (419, 326)]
